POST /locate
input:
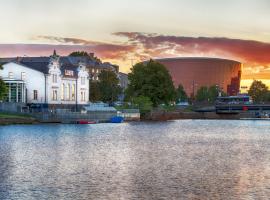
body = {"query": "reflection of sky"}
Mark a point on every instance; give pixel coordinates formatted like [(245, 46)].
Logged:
[(186, 159)]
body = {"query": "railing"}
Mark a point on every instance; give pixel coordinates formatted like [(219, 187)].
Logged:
[(69, 117)]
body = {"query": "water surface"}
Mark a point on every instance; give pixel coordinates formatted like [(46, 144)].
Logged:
[(188, 159)]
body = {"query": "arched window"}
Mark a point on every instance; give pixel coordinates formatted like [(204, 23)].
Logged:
[(68, 92), (73, 92), (63, 91)]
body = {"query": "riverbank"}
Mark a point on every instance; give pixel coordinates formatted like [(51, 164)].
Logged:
[(174, 115), (8, 119)]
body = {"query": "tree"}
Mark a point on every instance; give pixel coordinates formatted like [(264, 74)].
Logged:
[(181, 95), (108, 86), (202, 94), (151, 80), (258, 91), (144, 104), (213, 92), (85, 54), (3, 88), (79, 54), (94, 92)]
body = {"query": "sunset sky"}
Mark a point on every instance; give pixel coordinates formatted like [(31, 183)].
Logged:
[(125, 31)]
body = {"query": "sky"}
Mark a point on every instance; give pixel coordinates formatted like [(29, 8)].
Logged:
[(126, 31)]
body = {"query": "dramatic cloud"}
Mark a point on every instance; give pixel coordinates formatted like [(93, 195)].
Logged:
[(62, 40), (104, 51), (155, 45), (136, 46)]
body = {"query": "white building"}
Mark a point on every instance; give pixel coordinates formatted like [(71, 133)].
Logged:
[(50, 80)]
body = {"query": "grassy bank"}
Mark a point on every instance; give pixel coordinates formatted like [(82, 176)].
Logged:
[(8, 118)]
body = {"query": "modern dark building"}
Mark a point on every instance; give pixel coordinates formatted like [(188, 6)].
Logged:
[(195, 72)]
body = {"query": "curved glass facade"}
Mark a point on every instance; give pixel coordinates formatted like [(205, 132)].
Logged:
[(194, 73), (16, 91)]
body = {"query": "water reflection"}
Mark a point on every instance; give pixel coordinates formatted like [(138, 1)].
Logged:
[(189, 159)]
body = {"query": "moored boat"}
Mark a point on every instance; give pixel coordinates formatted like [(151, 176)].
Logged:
[(117, 119), (86, 122)]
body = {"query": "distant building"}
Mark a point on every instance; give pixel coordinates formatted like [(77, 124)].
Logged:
[(123, 80), (50, 80), (194, 73)]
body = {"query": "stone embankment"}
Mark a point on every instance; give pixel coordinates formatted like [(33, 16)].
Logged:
[(17, 120), (173, 115)]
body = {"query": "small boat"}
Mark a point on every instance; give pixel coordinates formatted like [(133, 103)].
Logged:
[(117, 119), (86, 122)]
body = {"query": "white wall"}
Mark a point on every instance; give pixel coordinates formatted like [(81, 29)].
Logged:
[(34, 80), (82, 73), (53, 70)]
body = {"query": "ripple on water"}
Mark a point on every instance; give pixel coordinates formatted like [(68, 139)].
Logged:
[(188, 159)]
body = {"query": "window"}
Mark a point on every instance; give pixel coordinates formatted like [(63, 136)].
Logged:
[(63, 91), (73, 92), (68, 92), (54, 78), (54, 95), (93, 70), (83, 80), (10, 74), (23, 75), (82, 96), (97, 78), (69, 73), (35, 95)]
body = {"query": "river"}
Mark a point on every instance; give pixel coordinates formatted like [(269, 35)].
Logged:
[(187, 159)]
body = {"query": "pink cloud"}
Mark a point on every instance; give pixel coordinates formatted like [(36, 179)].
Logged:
[(248, 51)]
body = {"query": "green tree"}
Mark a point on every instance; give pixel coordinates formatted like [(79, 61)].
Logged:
[(181, 95), (94, 92), (268, 96), (151, 80), (85, 54), (3, 88), (213, 92), (108, 86), (258, 91), (144, 104), (79, 54), (202, 94)]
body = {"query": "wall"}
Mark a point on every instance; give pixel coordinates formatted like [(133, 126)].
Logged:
[(34, 80)]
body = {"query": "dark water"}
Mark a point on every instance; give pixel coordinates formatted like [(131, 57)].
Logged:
[(189, 159)]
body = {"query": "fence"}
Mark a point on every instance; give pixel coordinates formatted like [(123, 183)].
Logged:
[(72, 117)]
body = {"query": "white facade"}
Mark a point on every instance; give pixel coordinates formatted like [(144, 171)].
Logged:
[(57, 86), (34, 81)]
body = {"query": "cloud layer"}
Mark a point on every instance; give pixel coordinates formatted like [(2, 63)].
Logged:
[(141, 46), (154, 45)]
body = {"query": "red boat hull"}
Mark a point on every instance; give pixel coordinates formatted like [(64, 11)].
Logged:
[(86, 122)]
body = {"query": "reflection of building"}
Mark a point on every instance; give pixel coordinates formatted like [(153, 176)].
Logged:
[(194, 73), (45, 80)]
